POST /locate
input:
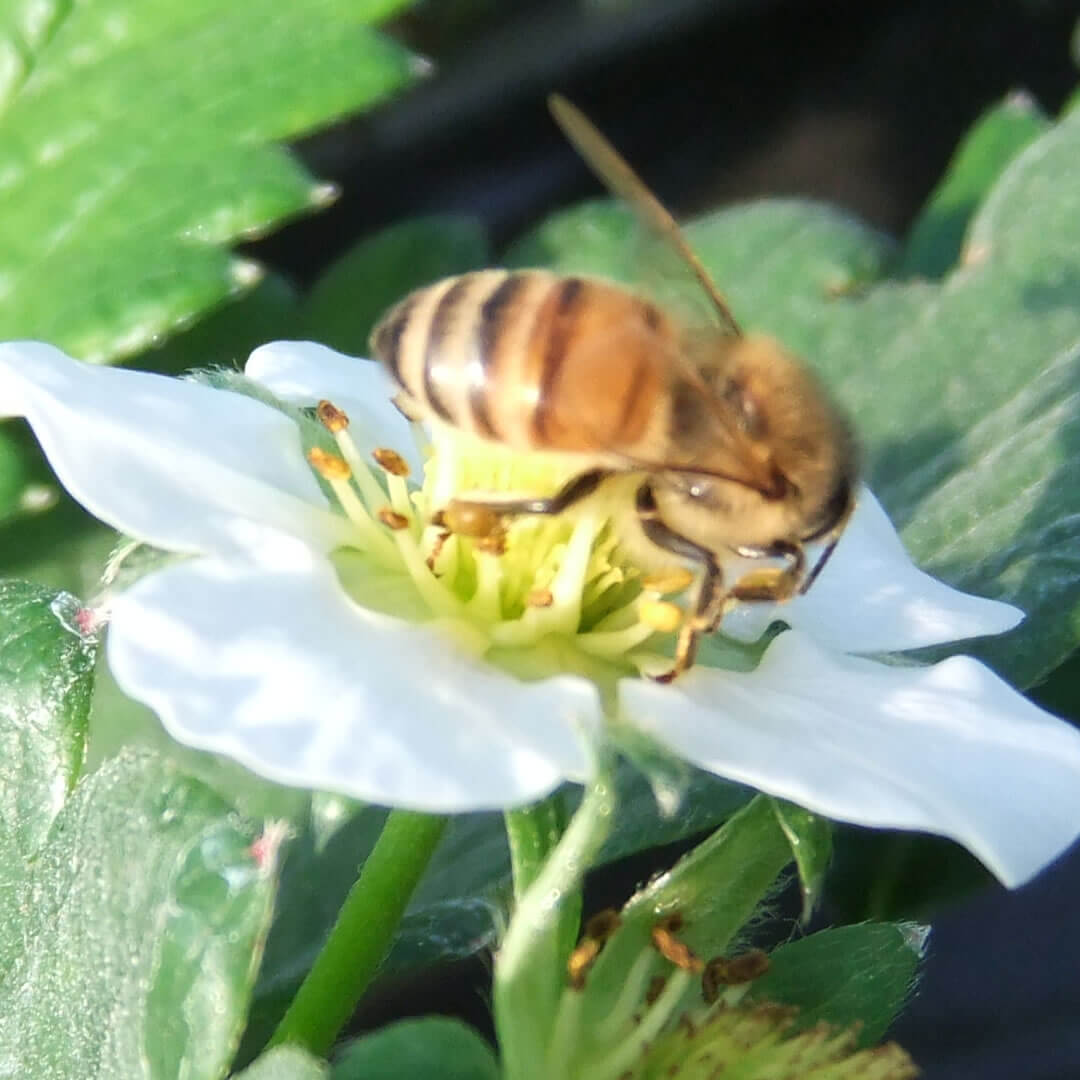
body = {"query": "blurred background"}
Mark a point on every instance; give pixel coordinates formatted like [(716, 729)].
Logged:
[(860, 104)]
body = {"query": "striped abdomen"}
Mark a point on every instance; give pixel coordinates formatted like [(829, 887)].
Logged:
[(532, 359)]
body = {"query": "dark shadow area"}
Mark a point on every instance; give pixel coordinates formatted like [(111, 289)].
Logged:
[(860, 104), (999, 998)]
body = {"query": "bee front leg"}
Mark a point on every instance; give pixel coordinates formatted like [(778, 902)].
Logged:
[(771, 584), (709, 604), (483, 519)]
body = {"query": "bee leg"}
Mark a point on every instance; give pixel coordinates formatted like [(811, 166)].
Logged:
[(460, 514), (819, 565), (710, 596), (774, 584)]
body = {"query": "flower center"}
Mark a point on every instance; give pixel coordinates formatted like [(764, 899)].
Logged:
[(518, 579)]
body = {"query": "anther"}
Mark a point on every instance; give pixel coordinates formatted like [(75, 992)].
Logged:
[(598, 930), (603, 924), (672, 580), (723, 971), (391, 461), (331, 417), (392, 519), (539, 598), (661, 615), (672, 949), (328, 466)]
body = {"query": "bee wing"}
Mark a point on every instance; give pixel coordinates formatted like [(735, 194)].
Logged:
[(675, 271), (621, 410)]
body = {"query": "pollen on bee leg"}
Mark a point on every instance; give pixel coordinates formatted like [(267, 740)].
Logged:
[(470, 519), (660, 615)]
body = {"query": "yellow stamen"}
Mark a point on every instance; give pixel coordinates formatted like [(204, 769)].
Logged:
[(608, 644), (661, 615), (391, 461), (373, 538), (392, 519), (539, 598), (671, 580), (331, 417), (370, 489), (328, 466)]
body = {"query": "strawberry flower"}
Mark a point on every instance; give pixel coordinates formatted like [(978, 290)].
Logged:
[(318, 627)]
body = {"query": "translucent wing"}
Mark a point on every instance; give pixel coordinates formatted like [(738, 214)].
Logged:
[(612, 410), (659, 225)]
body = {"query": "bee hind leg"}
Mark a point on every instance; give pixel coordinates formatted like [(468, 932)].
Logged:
[(710, 602)]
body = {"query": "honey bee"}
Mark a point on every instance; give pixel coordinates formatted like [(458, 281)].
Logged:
[(734, 446)]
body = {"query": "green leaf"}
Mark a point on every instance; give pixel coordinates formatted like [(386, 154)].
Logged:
[(19, 468), (971, 405), (46, 680), (851, 975), (704, 802), (810, 839), (139, 932), (896, 876), (345, 302), (592, 238), (781, 263), (286, 1063), (27, 26), (936, 238), (418, 1050), (139, 143), (225, 336)]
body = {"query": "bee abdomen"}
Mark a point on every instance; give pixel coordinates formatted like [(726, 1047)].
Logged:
[(457, 347), (527, 358)]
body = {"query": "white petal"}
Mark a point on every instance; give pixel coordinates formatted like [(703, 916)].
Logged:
[(275, 667), (948, 749), (174, 463), (872, 598), (305, 372)]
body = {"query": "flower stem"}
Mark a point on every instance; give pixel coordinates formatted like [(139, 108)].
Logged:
[(533, 833), (530, 971), (362, 934)]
